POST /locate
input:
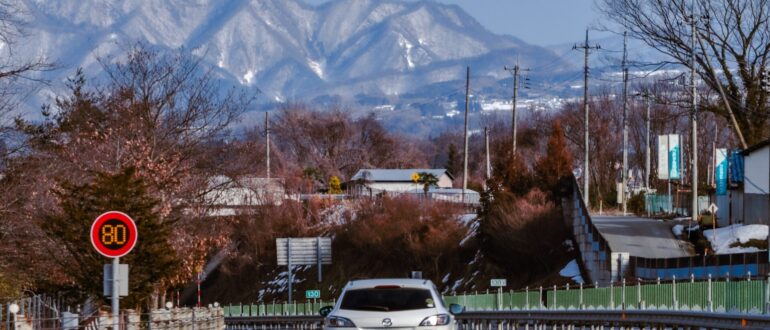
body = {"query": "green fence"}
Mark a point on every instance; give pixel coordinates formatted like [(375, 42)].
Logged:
[(746, 296)]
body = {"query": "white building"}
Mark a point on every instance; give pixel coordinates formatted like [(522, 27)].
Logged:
[(227, 196), (756, 184), (370, 182), (398, 180)]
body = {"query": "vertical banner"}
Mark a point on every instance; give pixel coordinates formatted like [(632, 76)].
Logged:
[(720, 174), (674, 157), (663, 157)]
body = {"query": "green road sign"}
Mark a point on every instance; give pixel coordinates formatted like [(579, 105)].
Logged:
[(313, 294), (498, 282)]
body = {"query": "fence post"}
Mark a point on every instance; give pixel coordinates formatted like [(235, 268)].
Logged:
[(526, 295), (612, 296), (639, 301), (767, 295), (580, 306), (623, 295), (673, 290), (554, 297), (711, 296), (541, 298)]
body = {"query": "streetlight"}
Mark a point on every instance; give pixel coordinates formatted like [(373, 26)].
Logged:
[(14, 309)]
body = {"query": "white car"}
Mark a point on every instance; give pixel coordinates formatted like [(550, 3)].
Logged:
[(390, 303)]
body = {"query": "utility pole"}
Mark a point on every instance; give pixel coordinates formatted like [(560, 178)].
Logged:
[(486, 148), (465, 131), (647, 150), (694, 151), (267, 145), (624, 175), (587, 48), (515, 72)]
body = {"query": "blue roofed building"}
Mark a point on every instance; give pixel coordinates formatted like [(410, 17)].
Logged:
[(398, 180)]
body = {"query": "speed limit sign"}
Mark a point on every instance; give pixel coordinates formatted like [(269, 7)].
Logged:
[(113, 234)]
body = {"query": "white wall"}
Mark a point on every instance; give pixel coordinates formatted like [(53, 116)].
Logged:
[(395, 186), (444, 182), (757, 172)]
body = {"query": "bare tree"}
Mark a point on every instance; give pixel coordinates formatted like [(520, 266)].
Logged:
[(734, 42), (17, 74)]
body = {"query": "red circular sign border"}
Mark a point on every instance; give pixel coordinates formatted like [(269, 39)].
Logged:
[(131, 228)]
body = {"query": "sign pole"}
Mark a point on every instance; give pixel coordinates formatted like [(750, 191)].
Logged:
[(198, 282), (288, 264), (318, 256), (115, 294), (114, 234)]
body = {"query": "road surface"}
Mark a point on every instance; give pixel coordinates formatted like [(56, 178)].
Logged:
[(640, 237)]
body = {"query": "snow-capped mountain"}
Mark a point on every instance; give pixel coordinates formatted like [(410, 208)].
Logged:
[(286, 48)]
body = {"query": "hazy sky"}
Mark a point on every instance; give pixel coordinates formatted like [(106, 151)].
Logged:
[(539, 22)]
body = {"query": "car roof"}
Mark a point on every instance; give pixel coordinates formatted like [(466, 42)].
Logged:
[(403, 282)]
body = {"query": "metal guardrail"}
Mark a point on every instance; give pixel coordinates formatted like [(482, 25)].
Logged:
[(302, 322), (621, 318), (540, 319)]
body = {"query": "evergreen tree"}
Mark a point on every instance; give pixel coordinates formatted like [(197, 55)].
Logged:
[(152, 260)]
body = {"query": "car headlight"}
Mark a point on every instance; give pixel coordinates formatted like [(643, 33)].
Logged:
[(440, 319), (339, 322)]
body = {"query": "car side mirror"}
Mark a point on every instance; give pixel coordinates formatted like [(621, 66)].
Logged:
[(324, 311), (455, 309)]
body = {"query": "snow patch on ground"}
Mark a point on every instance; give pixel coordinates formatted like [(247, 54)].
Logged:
[(735, 233), (338, 214), (572, 270), (677, 229), (469, 220)]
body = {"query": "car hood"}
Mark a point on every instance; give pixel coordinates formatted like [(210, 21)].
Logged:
[(399, 319)]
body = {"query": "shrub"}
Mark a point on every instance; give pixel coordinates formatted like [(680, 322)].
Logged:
[(523, 233), (398, 235), (636, 204)]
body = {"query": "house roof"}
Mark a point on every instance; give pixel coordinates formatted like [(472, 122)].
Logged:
[(755, 147), (396, 175)]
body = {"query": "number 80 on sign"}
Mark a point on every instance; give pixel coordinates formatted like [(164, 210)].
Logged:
[(113, 234)]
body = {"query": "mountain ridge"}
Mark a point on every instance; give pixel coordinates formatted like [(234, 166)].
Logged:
[(406, 56)]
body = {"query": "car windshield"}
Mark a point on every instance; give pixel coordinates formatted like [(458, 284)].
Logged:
[(387, 300)]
